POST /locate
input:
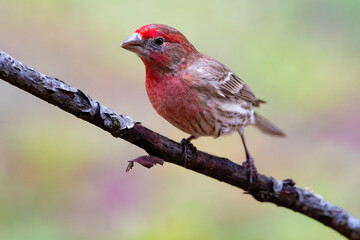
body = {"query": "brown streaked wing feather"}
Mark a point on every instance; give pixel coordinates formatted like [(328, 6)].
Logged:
[(233, 86), (220, 80)]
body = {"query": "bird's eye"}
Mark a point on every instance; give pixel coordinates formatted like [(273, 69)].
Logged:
[(159, 41)]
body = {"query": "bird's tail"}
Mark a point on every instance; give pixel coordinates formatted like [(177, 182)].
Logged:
[(267, 127)]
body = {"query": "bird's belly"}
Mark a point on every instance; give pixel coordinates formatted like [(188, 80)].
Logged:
[(231, 115), (183, 108), (197, 114)]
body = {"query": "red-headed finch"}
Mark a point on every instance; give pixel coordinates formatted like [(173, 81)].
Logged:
[(194, 92)]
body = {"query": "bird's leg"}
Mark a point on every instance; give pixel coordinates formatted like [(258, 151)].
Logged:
[(249, 163), (189, 150)]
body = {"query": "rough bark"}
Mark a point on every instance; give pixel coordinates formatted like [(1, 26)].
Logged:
[(265, 189)]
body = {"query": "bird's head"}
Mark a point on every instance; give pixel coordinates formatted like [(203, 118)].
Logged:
[(160, 46)]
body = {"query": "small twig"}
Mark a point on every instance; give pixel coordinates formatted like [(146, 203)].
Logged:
[(266, 189), (145, 161)]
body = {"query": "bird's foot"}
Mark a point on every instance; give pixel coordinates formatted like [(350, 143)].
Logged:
[(189, 150), (250, 166)]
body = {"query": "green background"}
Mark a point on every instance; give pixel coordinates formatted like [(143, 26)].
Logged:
[(62, 178)]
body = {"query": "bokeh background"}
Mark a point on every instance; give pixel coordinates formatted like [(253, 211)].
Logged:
[(62, 178)]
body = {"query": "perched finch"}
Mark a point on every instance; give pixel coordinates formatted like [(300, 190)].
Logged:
[(194, 92)]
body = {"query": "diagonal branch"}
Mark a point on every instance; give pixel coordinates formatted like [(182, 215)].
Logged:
[(266, 189)]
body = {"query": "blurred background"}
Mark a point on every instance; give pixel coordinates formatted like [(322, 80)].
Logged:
[(62, 178)]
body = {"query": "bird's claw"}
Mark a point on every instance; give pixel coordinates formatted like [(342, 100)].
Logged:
[(189, 150), (250, 166)]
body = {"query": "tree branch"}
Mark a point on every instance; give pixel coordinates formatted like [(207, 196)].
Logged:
[(266, 189)]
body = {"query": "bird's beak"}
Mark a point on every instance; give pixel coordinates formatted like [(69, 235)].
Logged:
[(133, 43)]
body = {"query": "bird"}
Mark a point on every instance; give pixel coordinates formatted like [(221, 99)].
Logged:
[(194, 92)]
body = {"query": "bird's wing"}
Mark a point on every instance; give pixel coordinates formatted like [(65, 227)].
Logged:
[(227, 84), (233, 86)]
